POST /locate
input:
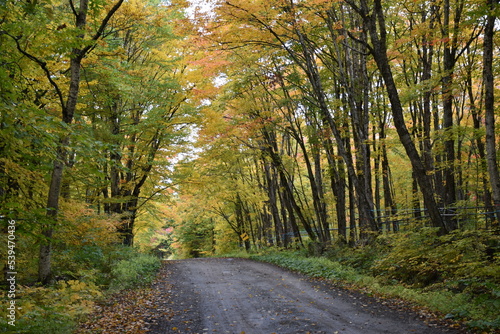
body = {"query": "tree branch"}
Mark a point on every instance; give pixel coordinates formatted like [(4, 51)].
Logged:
[(43, 66), (101, 29)]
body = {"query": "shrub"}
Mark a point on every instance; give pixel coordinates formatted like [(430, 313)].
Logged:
[(423, 258), (362, 257), (311, 266), (51, 309), (137, 271)]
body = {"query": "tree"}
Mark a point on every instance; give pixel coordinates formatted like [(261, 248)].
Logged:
[(74, 52), (489, 104), (374, 19), (288, 34), (136, 102)]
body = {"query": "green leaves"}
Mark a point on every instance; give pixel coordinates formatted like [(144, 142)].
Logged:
[(138, 271)]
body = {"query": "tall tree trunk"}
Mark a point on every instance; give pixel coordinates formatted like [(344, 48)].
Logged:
[(68, 111), (365, 200), (287, 186), (323, 210), (338, 185), (375, 24), (45, 252), (271, 187), (483, 166), (353, 229), (115, 158), (426, 58), (449, 195), (389, 204), (489, 106), (354, 79), (377, 172), (68, 108), (315, 182), (288, 211)]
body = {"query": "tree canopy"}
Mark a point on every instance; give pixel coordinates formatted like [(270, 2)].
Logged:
[(250, 124)]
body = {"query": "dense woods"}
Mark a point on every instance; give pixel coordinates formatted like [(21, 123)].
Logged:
[(337, 122), (194, 129)]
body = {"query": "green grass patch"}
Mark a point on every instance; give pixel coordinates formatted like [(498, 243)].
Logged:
[(317, 267)]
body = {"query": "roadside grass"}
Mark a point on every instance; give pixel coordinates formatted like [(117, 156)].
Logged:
[(456, 275)]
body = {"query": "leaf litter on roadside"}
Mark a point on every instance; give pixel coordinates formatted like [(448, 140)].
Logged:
[(130, 311)]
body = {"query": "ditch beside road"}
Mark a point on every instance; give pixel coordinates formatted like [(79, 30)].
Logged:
[(230, 295)]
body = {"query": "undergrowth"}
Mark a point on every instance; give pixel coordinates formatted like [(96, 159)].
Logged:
[(88, 263), (457, 274), (59, 307), (137, 271)]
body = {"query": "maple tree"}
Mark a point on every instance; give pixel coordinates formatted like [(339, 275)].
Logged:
[(136, 104)]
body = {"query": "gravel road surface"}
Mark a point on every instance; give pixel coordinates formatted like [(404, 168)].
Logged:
[(243, 296)]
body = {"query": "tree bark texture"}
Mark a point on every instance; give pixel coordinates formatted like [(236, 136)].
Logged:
[(489, 104)]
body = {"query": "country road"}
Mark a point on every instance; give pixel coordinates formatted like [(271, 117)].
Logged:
[(243, 296)]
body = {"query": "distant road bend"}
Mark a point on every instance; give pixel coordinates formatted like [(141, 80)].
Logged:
[(242, 296)]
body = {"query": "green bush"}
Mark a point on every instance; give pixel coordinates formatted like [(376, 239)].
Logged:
[(88, 272), (91, 263), (312, 266), (362, 257), (462, 258), (137, 271)]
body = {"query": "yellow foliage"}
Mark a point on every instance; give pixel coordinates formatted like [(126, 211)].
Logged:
[(84, 226), (74, 297)]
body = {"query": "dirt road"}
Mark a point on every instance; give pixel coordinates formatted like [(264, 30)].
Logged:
[(244, 296)]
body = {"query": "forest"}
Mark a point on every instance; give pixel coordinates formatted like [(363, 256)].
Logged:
[(358, 131)]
